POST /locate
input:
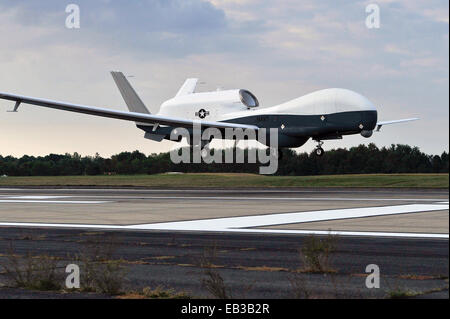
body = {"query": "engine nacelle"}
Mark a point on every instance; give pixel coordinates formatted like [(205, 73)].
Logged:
[(208, 105)]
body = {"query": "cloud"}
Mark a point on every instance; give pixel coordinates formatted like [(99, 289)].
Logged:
[(277, 50), (187, 16), (395, 49), (427, 62), (438, 15), (169, 27), (434, 10)]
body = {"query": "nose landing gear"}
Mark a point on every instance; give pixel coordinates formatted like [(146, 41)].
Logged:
[(319, 150)]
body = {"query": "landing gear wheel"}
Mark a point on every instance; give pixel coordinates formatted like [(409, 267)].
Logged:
[(319, 151)]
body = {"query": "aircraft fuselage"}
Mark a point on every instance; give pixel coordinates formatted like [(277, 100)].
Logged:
[(321, 115)]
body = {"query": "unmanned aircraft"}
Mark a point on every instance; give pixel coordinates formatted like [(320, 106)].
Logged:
[(321, 115)]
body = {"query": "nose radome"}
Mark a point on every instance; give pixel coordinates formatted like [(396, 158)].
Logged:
[(347, 100)]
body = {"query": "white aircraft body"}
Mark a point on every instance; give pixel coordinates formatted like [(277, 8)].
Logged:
[(321, 115)]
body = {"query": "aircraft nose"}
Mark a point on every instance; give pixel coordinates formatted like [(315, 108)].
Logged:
[(350, 101), (369, 119), (347, 100)]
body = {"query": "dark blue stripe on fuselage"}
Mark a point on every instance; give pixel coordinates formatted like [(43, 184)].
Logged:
[(297, 129), (313, 125)]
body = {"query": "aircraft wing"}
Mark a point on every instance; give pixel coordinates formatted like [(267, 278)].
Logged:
[(121, 115), (380, 124)]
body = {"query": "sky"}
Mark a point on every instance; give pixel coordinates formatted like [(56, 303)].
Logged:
[(279, 50)]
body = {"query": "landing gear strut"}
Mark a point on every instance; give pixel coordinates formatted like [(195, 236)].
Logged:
[(319, 150)]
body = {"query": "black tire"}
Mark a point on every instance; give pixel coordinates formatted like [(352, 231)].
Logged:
[(319, 151)]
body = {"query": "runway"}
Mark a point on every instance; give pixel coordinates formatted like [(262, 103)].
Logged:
[(251, 265), (346, 212), (162, 235)]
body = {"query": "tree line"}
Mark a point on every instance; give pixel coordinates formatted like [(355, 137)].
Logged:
[(356, 160)]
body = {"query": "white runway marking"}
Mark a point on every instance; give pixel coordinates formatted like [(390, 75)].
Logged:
[(34, 197), (46, 199), (224, 224), (22, 201), (242, 224)]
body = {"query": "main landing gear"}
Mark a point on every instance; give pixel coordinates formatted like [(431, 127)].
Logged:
[(319, 150)]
